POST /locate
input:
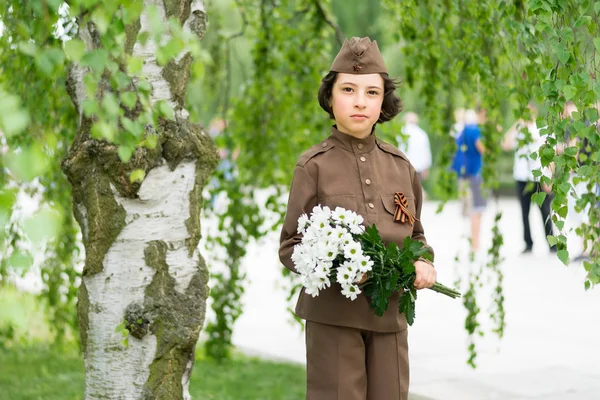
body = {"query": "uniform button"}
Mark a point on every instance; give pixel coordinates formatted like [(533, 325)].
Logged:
[(360, 146), (324, 144), (363, 159), (368, 181), (371, 205)]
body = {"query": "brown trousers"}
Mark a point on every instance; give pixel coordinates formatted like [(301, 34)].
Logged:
[(351, 364)]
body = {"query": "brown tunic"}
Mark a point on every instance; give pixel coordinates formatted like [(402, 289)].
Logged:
[(361, 175)]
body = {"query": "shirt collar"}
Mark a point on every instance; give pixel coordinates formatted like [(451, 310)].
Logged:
[(350, 143)]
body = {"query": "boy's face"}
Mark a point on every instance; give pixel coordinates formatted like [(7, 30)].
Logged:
[(356, 103)]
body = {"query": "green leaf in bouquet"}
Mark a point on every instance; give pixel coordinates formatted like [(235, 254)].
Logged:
[(408, 268), (407, 305), (371, 236), (392, 252), (413, 246), (392, 282), (379, 298)]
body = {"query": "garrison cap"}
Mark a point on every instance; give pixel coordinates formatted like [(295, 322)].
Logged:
[(359, 56)]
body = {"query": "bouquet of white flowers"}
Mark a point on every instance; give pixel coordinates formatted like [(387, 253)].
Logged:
[(336, 247)]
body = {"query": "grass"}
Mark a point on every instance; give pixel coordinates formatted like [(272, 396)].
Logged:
[(40, 373), (23, 312), (31, 369)]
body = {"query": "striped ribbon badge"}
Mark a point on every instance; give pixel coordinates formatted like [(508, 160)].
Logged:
[(402, 213)]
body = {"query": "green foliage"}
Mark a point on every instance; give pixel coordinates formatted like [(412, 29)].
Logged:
[(289, 56), (37, 46), (479, 53), (393, 270)]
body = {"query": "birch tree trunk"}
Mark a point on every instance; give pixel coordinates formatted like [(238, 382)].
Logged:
[(142, 265)]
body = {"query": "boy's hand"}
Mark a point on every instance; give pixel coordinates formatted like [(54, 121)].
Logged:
[(426, 275)]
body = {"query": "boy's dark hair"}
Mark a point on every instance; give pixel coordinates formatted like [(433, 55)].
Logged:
[(391, 106)]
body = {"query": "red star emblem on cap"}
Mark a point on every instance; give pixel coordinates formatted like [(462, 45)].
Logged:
[(356, 67)]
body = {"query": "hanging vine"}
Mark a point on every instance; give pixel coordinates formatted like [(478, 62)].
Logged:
[(286, 36)]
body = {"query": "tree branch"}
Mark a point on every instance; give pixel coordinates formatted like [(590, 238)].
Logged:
[(338, 31)]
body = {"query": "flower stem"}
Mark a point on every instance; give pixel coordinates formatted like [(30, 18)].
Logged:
[(439, 288)]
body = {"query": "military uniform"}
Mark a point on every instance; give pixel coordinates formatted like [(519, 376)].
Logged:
[(361, 175), (352, 354)]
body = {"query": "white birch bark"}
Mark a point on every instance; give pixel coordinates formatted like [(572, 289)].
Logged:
[(141, 247), (113, 370)]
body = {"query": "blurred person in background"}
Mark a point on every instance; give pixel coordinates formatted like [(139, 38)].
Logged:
[(416, 145), (524, 137), (467, 164)]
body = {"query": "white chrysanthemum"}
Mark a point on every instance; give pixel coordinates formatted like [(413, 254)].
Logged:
[(364, 263), (311, 235), (356, 229), (352, 250), (339, 234), (322, 283), (310, 287), (345, 275), (302, 223), (323, 269), (327, 251), (346, 240), (350, 291), (327, 233), (320, 216), (303, 259), (341, 215), (358, 278), (355, 219)]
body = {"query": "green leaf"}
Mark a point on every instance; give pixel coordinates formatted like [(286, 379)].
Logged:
[(591, 114), (95, 59), (551, 240), (110, 104), (563, 211), (74, 49), (28, 48), (406, 306), (563, 255), (539, 198), (20, 260), (569, 91), (134, 65), (563, 54), (102, 130), (13, 118), (145, 86), (392, 251), (125, 153), (132, 11), (560, 225), (582, 20), (571, 151), (129, 99), (43, 225), (597, 7), (101, 19), (90, 107), (133, 127), (165, 109), (597, 44), (28, 163), (8, 197), (137, 175), (151, 141), (15, 122)]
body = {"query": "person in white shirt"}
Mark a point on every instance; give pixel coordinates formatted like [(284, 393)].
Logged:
[(416, 145), (524, 137)]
